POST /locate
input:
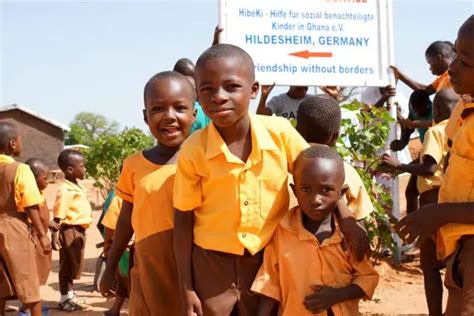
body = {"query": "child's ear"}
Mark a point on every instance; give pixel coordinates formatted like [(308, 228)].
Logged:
[(334, 137), (194, 114), (69, 169), (144, 116), (292, 186), (255, 90), (344, 189), (12, 144)]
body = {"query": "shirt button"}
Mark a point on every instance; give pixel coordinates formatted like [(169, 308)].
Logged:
[(246, 203), (244, 235)]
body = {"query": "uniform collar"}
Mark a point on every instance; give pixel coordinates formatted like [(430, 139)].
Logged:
[(74, 187), (6, 159), (261, 140)]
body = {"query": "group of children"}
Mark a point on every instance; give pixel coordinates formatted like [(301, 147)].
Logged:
[(214, 233)]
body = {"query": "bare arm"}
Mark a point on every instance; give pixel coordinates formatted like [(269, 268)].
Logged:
[(324, 297), (33, 214), (426, 168), (407, 80), (266, 306), (262, 104)]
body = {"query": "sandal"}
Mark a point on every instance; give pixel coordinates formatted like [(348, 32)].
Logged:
[(70, 305)]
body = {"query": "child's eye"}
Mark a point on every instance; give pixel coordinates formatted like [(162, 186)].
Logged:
[(327, 190), (233, 86), (306, 189), (157, 109), (206, 89), (180, 108)]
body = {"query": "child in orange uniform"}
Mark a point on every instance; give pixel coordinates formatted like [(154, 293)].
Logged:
[(306, 269), (146, 187)]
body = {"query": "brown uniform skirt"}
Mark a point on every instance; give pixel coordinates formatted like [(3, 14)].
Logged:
[(154, 277)]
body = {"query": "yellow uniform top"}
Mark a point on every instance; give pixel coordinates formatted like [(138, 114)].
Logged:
[(27, 193), (237, 205), (435, 145), (455, 118), (356, 196), (458, 185), (112, 213), (150, 188), (72, 206), (441, 82), (294, 260)]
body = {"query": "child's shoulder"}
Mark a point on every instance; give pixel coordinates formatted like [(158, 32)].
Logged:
[(274, 124)]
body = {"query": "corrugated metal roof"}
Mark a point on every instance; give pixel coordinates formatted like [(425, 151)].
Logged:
[(32, 113)]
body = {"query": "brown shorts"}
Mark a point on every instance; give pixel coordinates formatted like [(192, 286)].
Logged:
[(460, 279), (429, 197), (18, 252), (222, 281), (43, 261), (71, 254)]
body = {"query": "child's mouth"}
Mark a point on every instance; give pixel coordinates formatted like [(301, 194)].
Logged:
[(170, 130)]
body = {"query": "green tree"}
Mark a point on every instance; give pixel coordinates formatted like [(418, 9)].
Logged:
[(87, 126), (107, 152), (362, 143)]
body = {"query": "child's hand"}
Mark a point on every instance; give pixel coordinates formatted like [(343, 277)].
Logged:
[(217, 32), (54, 226), (193, 304), (396, 72), (397, 145), (45, 243), (266, 90), (421, 223), (55, 240), (390, 161), (321, 300), (106, 282)]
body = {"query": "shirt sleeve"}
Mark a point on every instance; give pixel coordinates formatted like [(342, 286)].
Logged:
[(437, 82), (432, 146), (267, 281), (27, 193), (187, 183), (63, 202), (294, 143), (274, 105), (125, 185), (357, 198), (365, 276), (112, 214)]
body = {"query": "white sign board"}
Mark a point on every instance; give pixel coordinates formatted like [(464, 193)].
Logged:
[(313, 42)]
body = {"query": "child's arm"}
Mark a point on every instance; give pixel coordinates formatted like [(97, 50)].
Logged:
[(123, 235), (324, 297), (108, 241), (407, 123), (424, 169), (33, 214), (183, 248), (425, 221), (262, 104), (399, 144), (412, 83), (266, 306)]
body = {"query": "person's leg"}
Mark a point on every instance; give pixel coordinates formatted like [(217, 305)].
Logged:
[(34, 308), (432, 277), (247, 268), (466, 272), (3, 303), (411, 194)]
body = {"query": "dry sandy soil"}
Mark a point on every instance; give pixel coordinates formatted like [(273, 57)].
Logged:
[(400, 291)]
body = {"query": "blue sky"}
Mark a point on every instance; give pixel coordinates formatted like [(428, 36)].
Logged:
[(62, 57)]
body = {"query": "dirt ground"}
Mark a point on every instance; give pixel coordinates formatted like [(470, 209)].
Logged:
[(400, 290)]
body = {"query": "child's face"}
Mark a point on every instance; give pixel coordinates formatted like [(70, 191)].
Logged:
[(169, 111), (461, 70), (318, 186), (225, 87), (77, 167), (42, 179), (437, 64)]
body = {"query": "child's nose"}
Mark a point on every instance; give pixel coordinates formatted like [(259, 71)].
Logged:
[(220, 96)]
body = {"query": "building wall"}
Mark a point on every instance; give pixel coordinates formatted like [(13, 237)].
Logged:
[(39, 138)]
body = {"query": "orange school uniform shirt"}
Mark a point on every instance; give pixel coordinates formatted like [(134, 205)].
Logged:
[(112, 214), (150, 188), (237, 205), (356, 196), (294, 260), (441, 82), (72, 206), (27, 193), (458, 185), (455, 119), (435, 145)]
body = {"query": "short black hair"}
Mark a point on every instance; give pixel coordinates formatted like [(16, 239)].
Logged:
[(36, 165), (318, 118), (226, 51), (167, 75), (319, 151), (8, 131), (66, 156), (184, 66), (420, 99), (443, 48)]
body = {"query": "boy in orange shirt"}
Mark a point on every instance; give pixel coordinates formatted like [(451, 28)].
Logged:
[(19, 202), (72, 215), (306, 268), (453, 217), (146, 187), (230, 189)]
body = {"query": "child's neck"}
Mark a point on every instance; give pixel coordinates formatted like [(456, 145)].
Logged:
[(320, 229), (162, 154), (72, 179), (238, 138)]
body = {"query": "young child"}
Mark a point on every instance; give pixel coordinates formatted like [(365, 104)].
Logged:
[(72, 215), (43, 260), (146, 187), (19, 201), (306, 269), (453, 217), (429, 172), (319, 122), (230, 188), (186, 67), (121, 280), (439, 55)]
